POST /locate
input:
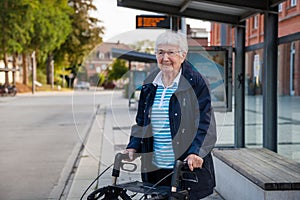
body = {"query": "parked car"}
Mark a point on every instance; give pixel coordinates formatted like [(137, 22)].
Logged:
[(82, 85)]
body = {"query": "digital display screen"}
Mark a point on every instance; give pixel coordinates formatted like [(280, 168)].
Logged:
[(152, 21)]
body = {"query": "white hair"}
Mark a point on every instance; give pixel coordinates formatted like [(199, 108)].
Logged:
[(172, 38)]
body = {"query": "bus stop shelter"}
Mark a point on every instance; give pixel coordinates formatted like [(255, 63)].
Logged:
[(133, 56), (235, 13)]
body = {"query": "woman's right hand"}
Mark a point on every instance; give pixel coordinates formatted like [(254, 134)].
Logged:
[(130, 153)]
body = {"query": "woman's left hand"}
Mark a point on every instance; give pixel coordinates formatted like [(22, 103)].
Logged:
[(194, 161)]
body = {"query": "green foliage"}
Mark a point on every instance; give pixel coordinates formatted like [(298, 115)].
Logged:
[(41, 76), (119, 68), (33, 25), (101, 79), (85, 35), (16, 24), (51, 27), (62, 28)]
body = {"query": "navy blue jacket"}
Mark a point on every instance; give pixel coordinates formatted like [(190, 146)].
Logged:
[(192, 124)]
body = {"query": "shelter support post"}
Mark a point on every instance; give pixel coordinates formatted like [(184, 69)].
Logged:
[(270, 80), (239, 87), (175, 23)]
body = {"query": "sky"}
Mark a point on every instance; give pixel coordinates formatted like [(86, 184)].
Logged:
[(119, 23)]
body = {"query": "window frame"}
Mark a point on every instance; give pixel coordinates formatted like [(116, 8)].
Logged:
[(293, 3), (280, 7)]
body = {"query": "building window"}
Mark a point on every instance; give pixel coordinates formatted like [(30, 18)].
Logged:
[(98, 69), (280, 7), (103, 67), (255, 22), (110, 55), (292, 68), (293, 3), (100, 55), (92, 66)]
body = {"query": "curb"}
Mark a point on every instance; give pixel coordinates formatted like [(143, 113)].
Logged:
[(61, 189), (86, 167)]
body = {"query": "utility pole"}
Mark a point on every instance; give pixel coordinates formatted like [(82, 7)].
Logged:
[(52, 73), (33, 63)]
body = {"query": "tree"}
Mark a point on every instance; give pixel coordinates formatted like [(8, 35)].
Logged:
[(16, 24), (52, 25), (85, 36), (29, 26), (119, 68), (54, 29)]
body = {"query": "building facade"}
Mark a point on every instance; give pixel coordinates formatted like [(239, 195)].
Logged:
[(100, 59), (197, 36), (288, 52)]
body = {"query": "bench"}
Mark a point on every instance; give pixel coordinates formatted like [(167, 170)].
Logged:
[(256, 174)]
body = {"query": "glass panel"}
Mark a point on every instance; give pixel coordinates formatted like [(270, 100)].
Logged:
[(215, 64), (289, 100), (253, 99), (225, 128)]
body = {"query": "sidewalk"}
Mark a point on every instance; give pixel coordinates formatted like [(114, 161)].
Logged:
[(108, 135)]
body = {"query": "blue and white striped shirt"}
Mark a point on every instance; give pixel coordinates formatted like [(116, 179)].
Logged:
[(163, 156)]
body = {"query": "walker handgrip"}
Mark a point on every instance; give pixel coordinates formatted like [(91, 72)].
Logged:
[(117, 163), (176, 175)]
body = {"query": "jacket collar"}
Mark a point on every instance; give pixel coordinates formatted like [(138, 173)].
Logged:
[(188, 78)]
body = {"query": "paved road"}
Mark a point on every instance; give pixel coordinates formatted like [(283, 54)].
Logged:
[(39, 137)]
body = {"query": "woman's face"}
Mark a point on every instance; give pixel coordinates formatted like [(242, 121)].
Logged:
[(169, 58)]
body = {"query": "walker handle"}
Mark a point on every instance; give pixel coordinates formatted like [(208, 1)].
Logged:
[(176, 176), (118, 163)]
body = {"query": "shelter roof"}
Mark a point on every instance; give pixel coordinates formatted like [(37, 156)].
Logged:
[(223, 11), (133, 55)]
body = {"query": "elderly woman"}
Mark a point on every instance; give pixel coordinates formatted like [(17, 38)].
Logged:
[(175, 120)]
